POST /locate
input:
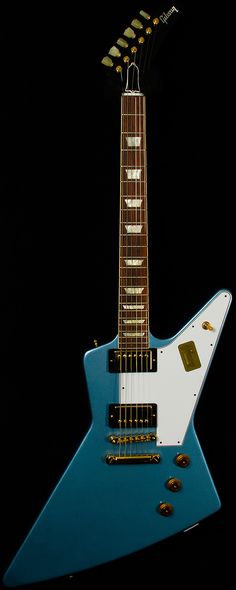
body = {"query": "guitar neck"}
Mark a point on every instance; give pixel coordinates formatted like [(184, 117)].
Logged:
[(133, 328)]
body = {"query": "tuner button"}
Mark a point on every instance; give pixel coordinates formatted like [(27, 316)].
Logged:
[(114, 51), (166, 509), (174, 484), (144, 14), (129, 33), (137, 24), (107, 61), (182, 460), (122, 42)]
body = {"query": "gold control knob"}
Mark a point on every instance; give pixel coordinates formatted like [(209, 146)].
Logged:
[(182, 460), (166, 509), (174, 484)]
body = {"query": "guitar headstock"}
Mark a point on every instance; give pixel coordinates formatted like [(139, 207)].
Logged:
[(133, 50)]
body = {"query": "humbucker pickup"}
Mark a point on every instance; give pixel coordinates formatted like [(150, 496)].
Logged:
[(132, 415), (132, 361)]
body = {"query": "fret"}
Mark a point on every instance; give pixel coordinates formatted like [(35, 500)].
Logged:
[(133, 150), (132, 115), (131, 180)]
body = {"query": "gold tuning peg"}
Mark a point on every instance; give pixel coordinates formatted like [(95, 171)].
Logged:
[(122, 42), (144, 14), (137, 24), (114, 51), (107, 61), (129, 33)]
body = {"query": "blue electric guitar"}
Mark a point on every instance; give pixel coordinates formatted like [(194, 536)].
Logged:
[(139, 475)]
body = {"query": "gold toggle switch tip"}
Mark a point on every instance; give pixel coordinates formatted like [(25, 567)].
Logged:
[(207, 326)]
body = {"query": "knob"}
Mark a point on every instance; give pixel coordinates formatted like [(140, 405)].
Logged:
[(174, 484), (182, 460), (166, 509)]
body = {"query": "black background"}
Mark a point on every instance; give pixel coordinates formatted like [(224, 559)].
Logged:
[(59, 247)]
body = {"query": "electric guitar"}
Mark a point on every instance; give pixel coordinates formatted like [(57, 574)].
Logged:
[(139, 476)]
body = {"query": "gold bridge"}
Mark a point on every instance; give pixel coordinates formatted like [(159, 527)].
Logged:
[(117, 440), (129, 459)]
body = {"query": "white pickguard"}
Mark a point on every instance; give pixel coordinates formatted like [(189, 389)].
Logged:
[(175, 390)]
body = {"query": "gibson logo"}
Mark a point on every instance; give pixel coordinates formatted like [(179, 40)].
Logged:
[(166, 15)]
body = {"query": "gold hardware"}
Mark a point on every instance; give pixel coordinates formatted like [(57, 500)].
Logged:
[(132, 438), (107, 61), (141, 40), (166, 509), (156, 21), (134, 49), (144, 14), (129, 33), (148, 31), (182, 460), (119, 69), (129, 459), (126, 59), (189, 356), (122, 42), (114, 51), (207, 326), (174, 484), (95, 342), (137, 24)]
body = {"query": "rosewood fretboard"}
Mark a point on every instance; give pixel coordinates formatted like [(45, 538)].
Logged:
[(133, 327)]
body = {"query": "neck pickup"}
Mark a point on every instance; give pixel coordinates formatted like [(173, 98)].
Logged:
[(132, 361)]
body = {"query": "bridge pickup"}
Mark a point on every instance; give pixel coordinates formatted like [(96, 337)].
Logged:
[(131, 459), (132, 415), (132, 361), (130, 438)]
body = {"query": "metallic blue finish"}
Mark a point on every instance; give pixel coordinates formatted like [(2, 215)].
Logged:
[(100, 512)]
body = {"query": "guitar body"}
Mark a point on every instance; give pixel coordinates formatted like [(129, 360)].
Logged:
[(103, 508)]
